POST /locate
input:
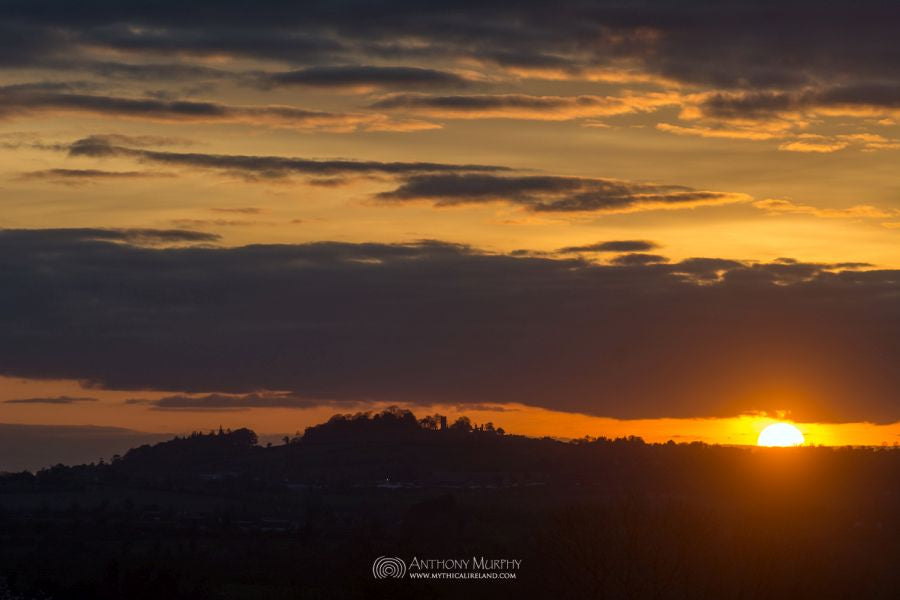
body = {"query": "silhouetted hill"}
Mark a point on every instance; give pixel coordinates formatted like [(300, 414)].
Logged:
[(394, 448), (217, 515), (194, 453)]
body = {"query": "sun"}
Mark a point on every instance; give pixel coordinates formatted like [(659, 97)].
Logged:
[(780, 434)]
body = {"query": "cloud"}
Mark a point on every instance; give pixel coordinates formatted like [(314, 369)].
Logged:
[(77, 176), (138, 237), (363, 76), (242, 210), (731, 61), (440, 183), (30, 99), (738, 133), (166, 72), (187, 223), (432, 322), (636, 259), (141, 141), (871, 141), (741, 48), (521, 106), (740, 117), (783, 130), (552, 194), (825, 144), (860, 211), (612, 246), (50, 400), (230, 402), (818, 144), (262, 166), (860, 99)]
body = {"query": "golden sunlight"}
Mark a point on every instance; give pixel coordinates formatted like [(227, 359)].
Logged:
[(780, 434)]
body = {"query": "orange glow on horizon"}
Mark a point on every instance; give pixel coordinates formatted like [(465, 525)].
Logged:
[(110, 409)]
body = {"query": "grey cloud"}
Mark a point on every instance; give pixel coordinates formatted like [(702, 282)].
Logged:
[(636, 259), (364, 75), (880, 95), (440, 183), (612, 246), (753, 45), (707, 268), (115, 70), (70, 176), (431, 322), (244, 210), (230, 402), (152, 72), (34, 97), (550, 194), (480, 102), (270, 41), (523, 106), (767, 104), (50, 400), (263, 166), (140, 141), (26, 99), (753, 105), (187, 223), (143, 237)]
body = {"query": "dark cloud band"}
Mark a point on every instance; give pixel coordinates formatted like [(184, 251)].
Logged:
[(363, 75), (431, 322), (750, 40)]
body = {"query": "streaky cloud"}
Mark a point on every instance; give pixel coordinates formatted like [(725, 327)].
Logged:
[(552, 194), (29, 99), (611, 246), (363, 75), (264, 166), (50, 400)]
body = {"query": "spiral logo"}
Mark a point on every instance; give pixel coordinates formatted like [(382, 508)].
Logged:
[(388, 566)]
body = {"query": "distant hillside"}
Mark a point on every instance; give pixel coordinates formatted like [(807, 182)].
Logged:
[(218, 515), (395, 449)]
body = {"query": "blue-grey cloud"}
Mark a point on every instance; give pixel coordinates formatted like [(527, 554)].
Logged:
[(100, 146), (432, 322), (743, 44), (363, 75), (551, 194), (51, 97), (612, 246), (50, 400)]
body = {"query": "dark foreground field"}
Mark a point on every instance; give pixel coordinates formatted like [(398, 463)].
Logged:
[(218, 516)]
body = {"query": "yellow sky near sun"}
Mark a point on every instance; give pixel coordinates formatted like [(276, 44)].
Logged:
[(109, 409)]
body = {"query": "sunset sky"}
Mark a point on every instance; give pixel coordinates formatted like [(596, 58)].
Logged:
[(672, 220)]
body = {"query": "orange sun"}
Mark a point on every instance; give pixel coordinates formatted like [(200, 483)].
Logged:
[(780, 434)]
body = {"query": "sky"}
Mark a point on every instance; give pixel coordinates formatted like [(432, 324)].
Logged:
[(673, 220)]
